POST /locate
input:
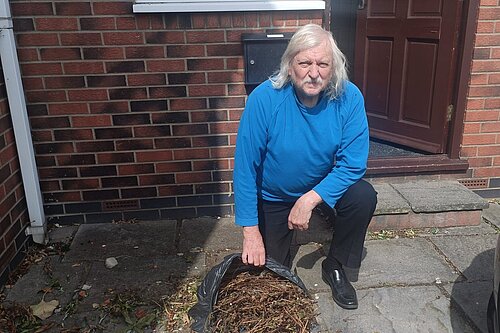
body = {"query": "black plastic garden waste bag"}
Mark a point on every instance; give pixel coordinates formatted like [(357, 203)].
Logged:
[(208, 290)]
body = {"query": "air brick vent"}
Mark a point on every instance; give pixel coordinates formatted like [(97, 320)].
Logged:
[(474, 183), (120, 205)]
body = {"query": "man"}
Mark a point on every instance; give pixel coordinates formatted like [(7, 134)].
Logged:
[(303, 141)]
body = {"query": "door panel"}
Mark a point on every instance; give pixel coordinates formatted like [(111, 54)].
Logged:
[(404, 65)]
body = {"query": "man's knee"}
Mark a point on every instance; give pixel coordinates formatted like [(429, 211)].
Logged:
[(362, 193)]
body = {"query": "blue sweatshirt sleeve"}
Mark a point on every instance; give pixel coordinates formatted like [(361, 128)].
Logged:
[(352, 156), (250, 149)]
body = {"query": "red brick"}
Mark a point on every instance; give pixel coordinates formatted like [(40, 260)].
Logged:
[(468, 152), (154, 156), (42, 39), (87, 67), (126, 23), (31, 9), (41, 69), (484, 91), (105, 53), (106, 81), (128, 93), (490, 127), (206, 64), (73, 135), (76, 159), (109, 107), (185, 51), (481, 115), (487, 40), (165, 66), (484, 66), (187, 104), (479, 79), (175, 190), (88, 95), (217, 164), (65, 82), (81, 38), (222, 152), (206, 90), (173, 167), (146, 79), (165, 92), (235, 63), (26, 55), (94, 146), (68, 108), (156, 179), (144, 52), (136, 169), (481, 139), (125, 67), (193, 177), (472, 128), (130, 144), (60, 53), (191, 154), (236, 89), (226, 77), (224, 127), (112, 8), (486, 172), (123, 38), (492, 150), (115, 158), (252, 19), (91, 121), (208, 116), (485, 27), (475, 104), (205, 36), (186, 78), (494, 78), (97, 23), (227, 102), (489, 13), (165, 37), (492, 103), (33, 83), (56, 23), (475, 162), (41, 96), (80, 184), (73, 8)]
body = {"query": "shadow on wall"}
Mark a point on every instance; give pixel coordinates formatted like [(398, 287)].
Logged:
[(471, 292)]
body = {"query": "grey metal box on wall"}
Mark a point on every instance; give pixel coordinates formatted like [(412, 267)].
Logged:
[(262, 55)]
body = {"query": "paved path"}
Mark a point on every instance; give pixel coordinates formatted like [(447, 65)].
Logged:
[(435, 280)]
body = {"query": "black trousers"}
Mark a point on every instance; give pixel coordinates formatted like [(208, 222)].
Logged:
[(351, 216)]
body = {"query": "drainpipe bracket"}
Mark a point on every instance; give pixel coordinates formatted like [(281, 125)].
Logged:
[(39, 233), (6, 23)]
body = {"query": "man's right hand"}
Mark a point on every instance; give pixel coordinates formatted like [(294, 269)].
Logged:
[(254, 252)]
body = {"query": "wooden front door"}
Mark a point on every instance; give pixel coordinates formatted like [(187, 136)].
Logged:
[(404, 64)]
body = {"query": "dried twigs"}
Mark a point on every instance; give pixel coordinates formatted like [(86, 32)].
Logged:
[(264, 302)]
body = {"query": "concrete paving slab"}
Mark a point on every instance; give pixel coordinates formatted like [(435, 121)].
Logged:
[(62, 234), (402, 261), (392, 309), (473, 255), (64, 279), (103, 240), (492, 214), (210, 234), (472, 298), (439, 196), (481, 229), (307, 264), (389, 201)]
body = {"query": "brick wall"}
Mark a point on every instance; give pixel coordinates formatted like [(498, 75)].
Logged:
[(481, 140), (135, 115), (13, 210)]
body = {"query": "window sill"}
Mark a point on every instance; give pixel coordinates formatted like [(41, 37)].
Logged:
[(179, 6)]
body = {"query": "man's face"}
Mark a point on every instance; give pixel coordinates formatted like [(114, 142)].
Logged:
[(310, 72)]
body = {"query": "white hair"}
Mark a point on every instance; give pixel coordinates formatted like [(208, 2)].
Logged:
[(307, 37)]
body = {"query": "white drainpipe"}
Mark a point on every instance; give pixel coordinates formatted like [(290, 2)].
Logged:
[(20, 122)]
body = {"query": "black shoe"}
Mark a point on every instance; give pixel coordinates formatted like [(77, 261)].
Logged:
[(342, 291)]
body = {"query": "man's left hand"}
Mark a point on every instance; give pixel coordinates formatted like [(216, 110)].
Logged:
[(302, 210)]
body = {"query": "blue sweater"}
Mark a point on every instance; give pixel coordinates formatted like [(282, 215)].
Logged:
[(284, 149)]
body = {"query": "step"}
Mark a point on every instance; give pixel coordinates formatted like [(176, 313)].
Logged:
[(411, 205), (426, 204)]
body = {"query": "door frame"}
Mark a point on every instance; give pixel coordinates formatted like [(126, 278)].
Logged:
[(450, 161)]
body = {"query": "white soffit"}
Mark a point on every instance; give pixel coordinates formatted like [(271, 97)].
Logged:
[(176, 6)]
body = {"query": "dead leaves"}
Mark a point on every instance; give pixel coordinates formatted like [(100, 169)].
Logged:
[(44, 310)]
